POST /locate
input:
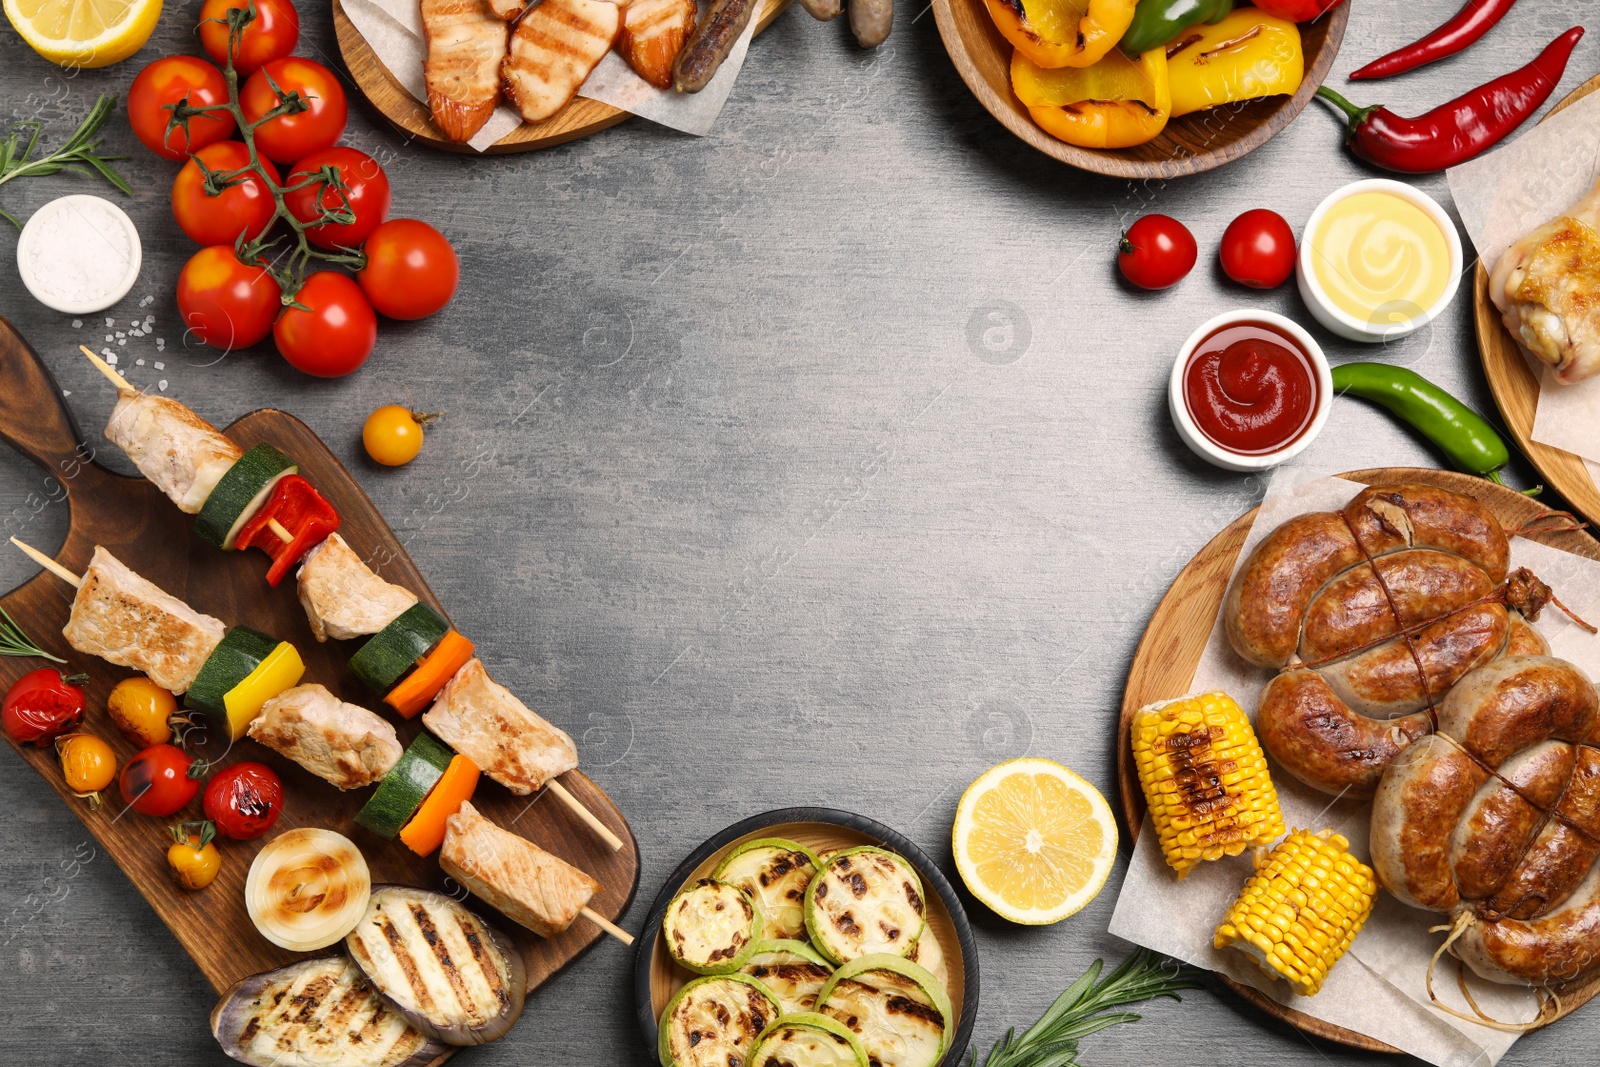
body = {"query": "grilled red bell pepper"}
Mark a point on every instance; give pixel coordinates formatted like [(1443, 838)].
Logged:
[(1455, 132), (1297, 10), (1469, 24), (299, 509)]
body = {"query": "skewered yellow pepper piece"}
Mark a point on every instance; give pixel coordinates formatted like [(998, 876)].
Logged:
[(280, 671), (1116, 103), (1205, 779), (1246, 55), (1299, 912)]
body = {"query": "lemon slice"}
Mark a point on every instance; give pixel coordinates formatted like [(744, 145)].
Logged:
[(84, 33), (1034, 841)]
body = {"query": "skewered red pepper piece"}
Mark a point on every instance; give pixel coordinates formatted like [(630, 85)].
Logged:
[(1456, 131), (1469, 24), (298, 508)]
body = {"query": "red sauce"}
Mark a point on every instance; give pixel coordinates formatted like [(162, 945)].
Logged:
[(1251, 388)]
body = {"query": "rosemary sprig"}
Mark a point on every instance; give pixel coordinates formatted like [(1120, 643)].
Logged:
[(1083, 1010), (78, 155), (13, 642)]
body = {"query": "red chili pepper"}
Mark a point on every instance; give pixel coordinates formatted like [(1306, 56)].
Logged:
[(1469, 24), (1455, 132), (298, 508)]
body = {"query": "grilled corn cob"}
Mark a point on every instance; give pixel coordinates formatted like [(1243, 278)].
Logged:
[(1205, 779), (1299, 912)]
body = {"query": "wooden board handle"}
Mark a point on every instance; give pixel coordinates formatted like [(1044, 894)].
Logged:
[(34, 419)]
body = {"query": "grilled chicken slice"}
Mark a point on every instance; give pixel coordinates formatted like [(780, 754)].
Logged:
[(183, 454), (338, 742), (482, 720), (127, 620), (553, 50), (513, 875), (342, 597), (466, 42), (1547, 287), (653, 32), (508, 9)]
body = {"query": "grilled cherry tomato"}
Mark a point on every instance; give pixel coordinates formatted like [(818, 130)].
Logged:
[(1156, 252), (392, 435), (335, 335), (287, 138), (411, 269), (87, 763), (245, 207), (43, 705), (225, 303), (142, 710), (1258, 249), (157, 781), (366, 187), (192, 856), (272, 34), (244, 800), (167, 81)]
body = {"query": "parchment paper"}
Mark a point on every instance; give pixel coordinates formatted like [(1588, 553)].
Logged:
[(394, 30), (1377, 989)]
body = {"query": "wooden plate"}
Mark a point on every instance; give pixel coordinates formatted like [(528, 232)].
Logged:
[(410, 116), (656, 977), (1516, 387), (1189, 145), (133, 520), (1163, 667)]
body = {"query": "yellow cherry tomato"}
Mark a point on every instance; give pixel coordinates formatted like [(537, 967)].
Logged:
[(142, 710), (87, 763), (393, 434), (193, 858)]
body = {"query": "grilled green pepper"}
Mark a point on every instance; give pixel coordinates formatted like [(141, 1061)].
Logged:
[(1464, 436), (1157, 23)]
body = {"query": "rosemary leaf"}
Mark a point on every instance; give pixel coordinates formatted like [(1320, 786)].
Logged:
[(79, 153), (14, 642)]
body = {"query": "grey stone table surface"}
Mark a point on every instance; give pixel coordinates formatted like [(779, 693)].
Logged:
[(823, 459)]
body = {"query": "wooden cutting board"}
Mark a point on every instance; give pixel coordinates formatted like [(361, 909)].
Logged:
[(135, 522)]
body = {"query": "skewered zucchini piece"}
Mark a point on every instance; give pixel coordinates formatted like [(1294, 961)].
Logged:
[(864, 901), (807, 1040), (896, 1009), (712, 927), (714, 1021), (775, 872), (792, 970)]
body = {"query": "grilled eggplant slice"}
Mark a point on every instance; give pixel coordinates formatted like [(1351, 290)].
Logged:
[(775, 872), (712, 927), (714, 1021), (864, 901), (452, 975), (792, 970), (896, 1009), (807, 1040), (314, 1013)]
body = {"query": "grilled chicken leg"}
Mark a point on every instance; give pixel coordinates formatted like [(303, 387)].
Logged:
[(1547, 287)]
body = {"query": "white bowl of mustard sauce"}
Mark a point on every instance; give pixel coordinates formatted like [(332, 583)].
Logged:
[(1378, 260)]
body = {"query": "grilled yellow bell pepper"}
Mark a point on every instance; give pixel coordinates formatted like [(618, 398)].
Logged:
[(1062, 33), (1116, 103), (1247, 55), (280, 671)]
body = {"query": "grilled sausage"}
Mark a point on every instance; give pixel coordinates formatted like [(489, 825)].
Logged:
[(1516, 702), (871, 21), (1321, 741), (1384, 682), (713, 38), (1500, 821), (1414, 813), (1392, 517), (823, 10), (1564, 943)]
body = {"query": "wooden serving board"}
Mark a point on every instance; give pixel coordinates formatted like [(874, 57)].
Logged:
[(1516, 387), (1169, 651), (135, 522), (409, 115)]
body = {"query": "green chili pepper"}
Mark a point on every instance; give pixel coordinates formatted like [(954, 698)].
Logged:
[(1464, 436), (1157, 23)]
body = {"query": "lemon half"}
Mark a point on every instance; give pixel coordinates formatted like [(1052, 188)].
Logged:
[(84, 33)]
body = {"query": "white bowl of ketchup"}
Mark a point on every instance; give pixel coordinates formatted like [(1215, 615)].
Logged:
[(1250, 389)]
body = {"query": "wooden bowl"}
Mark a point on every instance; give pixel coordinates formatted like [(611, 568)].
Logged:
[(656, 977), (1188, 145)]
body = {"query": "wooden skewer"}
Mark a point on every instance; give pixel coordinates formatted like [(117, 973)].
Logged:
[(49, 564), (585, 814), (278, 528), (107, 369), (607, 925)]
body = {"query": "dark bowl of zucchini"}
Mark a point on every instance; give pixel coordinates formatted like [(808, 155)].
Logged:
[(807, 936)]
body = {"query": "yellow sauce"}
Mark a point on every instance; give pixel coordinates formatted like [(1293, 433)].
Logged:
[(1380, 258)]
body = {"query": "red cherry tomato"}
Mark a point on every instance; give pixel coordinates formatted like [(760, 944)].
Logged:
[(366, 187), (167, 81), (411, 269), (287, 138), (272, 34), (244, 800), (156, 781), (41, 707), (225, 303), (336, 334), (1157, 251), (1258, 249), (218, 220)]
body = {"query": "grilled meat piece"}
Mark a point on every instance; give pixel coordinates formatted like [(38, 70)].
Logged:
[(342, 597), (338, 742), (466, 40), (653, 32), (1547, 287), (553, 51), (482, 720), (513, 875), (183, 454)]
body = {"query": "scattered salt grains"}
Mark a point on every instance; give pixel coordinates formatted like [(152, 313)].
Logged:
[(160, 365), (162, 385), (138, 363), (109, 338), (77, 324), (110, 323), (161, 344), (111, 357), (66, 392)]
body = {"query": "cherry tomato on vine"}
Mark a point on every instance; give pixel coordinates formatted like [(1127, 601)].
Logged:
[(366, 187), (1156, 252), (193, 858), (244, 800), (392, 435), (245, 208), (87, 764), (287, 138), (1258, 249), (272, 34), (43, 705), (225, 303), (156, 781), (411, 269), (337, 332), (167, 81)]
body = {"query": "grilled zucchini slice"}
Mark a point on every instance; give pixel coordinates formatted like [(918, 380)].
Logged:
[(792, 970), (896, 1009), (712, 927), (807, 1040), (864, 901), (775, 872), (714, 1021)]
